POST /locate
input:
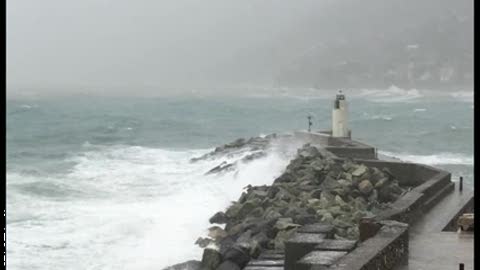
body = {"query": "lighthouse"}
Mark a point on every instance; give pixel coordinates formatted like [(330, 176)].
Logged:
[(340, 117)]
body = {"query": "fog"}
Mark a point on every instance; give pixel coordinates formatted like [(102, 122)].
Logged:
[(167, 46)]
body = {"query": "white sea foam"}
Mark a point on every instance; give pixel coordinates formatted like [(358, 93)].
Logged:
[(436, 159), (420, 110), (378, 117), (465, 96), (147, 207), (391, 94)]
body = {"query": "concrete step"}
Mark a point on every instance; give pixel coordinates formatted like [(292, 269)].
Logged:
[(319, 259), (434, 199)]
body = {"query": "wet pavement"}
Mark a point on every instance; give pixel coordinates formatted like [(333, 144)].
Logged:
[(432, 248)]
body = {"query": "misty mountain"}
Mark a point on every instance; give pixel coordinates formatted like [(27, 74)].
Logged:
[(377, 43)]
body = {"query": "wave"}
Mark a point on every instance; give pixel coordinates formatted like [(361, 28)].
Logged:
[(464, 96), (435, 159), (420, 110), (391, 94), (142, 200)]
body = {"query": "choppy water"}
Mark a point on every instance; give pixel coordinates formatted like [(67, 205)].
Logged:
[(106, 183)]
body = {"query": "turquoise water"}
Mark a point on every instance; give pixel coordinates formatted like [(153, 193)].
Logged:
[(104, 176)]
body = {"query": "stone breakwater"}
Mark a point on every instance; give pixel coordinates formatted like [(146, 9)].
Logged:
[(313, 189), (256, 147)]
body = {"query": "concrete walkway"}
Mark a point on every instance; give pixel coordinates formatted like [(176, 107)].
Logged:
[(430, 248)]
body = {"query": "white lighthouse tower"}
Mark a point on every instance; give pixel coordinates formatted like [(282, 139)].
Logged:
[(340, 117)]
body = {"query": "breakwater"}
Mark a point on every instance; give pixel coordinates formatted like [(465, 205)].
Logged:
[(328, 209)]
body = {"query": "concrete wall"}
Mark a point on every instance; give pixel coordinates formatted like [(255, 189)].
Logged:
[(353, 152), (467, 208), (340, 147), (388, 248)]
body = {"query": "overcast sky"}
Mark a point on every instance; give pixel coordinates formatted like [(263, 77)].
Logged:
[(130, 46), (143, 43)]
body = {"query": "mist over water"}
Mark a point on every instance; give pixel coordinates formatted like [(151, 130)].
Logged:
[(106, 183)]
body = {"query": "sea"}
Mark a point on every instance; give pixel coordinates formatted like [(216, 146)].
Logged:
[(104, 182)]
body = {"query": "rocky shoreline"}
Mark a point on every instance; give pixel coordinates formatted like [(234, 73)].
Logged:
[(314, 188)]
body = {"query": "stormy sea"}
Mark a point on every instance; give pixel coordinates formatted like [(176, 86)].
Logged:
[(107, 182)]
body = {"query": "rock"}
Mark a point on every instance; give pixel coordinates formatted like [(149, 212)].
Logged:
[(247, 207), (203, 242), (341, 223), (395, 188), (257, 212), (237, 255), (285, 224), (317, 166), (313, 201), (216, 233), (283, 195), (228, 265), (244, 240), (236, 144), (373, 197), (219, 218), (222, 167), (339, 201), (344, 183), (271, 213), (282, 236), (376, 175), (359, 171), (327, 218), (291, 212), (340, 191), (359, 203), (188, 265), (233, 210), (254, 156), (358, 215), (261, 194), (365, 187), (261, 239), (235, 229), (381, 182), (211, 259), (226, 243), (329, 183), (335, 211), (308, 151), (315, 193), (348, 166)]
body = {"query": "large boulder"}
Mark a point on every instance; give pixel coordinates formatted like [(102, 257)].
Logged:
[(285, 224), (359, 170), (365, 187), (237, 255), (216, 233), (228, 265), (219, 218), (203, 242), (211, 259)]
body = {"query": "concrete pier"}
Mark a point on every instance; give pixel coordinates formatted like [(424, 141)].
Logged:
[(432, 248)]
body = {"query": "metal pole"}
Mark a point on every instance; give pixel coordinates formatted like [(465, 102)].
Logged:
[(309, 123), (460, 187)]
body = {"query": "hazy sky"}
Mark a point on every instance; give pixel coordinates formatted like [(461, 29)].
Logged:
[(120, 43), (162, 45)]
